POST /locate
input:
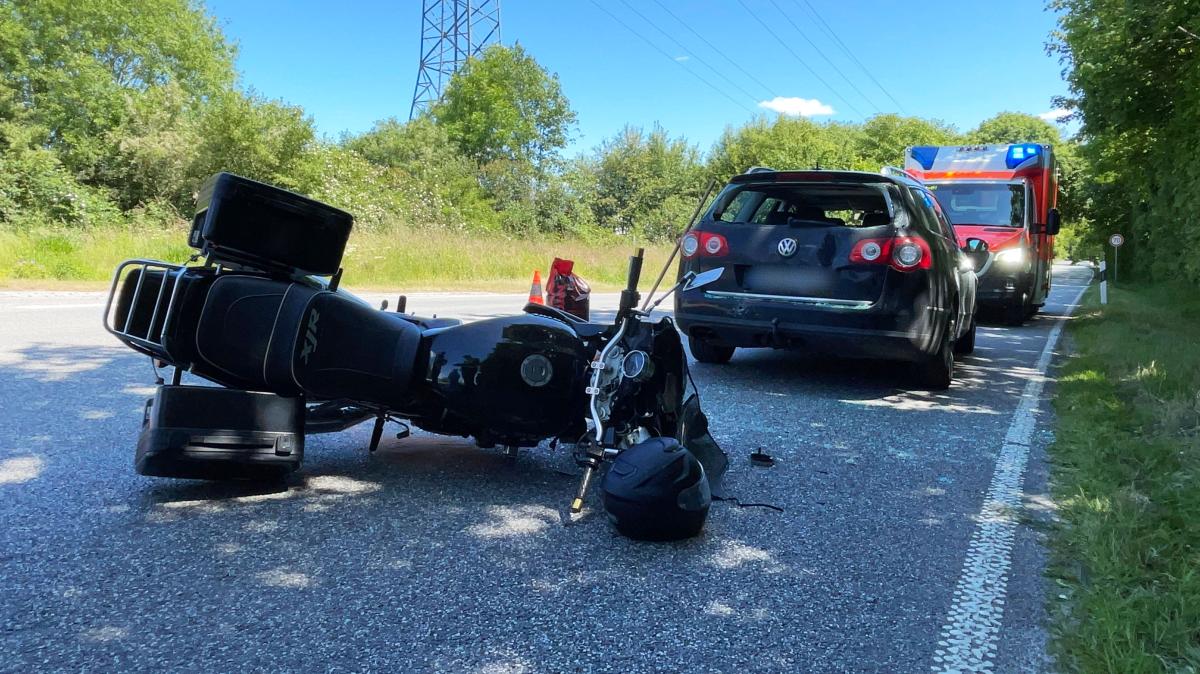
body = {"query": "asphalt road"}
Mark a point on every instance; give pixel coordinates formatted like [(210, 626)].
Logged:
[(432, 555)]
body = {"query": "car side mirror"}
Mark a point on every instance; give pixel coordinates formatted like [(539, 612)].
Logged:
[(976, 246), (1053, 222)]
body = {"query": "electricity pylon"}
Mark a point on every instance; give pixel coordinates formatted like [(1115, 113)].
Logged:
[(451, 32)]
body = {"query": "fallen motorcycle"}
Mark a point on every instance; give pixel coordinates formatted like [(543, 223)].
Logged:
[(258, 311)]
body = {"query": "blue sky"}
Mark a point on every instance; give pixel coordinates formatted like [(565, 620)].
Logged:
[(354, 62)]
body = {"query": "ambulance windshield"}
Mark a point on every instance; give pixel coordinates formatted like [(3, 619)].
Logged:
[(990, 204)]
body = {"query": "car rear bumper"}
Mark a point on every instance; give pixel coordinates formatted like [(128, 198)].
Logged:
[(886, 330)]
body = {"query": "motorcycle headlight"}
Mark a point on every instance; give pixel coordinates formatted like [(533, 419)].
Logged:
[(1012, 258)]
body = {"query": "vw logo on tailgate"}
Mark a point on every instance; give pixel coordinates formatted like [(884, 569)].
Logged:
[(787, 247)]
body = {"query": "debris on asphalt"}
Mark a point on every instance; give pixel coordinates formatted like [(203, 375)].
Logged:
[(761, 458)]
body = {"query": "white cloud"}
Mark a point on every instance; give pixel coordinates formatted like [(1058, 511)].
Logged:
[(1055, 114), (681, 59), (797, 107)]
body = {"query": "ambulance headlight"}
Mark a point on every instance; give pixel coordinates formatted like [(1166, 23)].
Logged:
[(1013, 258)]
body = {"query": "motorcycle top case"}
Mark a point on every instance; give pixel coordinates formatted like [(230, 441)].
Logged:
[(249, 223), (209, 433)]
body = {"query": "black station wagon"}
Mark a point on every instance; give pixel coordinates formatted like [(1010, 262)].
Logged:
[(836, 262)]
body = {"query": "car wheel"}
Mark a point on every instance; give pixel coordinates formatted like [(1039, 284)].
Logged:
[(1016, 313), (966, 344), (937, 371), (706, 352)]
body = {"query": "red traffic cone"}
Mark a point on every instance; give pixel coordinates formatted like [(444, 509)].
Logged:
[(535, 289)]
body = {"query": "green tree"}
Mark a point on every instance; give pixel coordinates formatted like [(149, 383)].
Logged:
[(251, 136), (73, 66), (1014, 127), (417, 143), (785, 143), (1017, 127), (644, 182), (152, 152), (503, 105), (37, 190), (419, 153), (884, 138), (1135, 86)]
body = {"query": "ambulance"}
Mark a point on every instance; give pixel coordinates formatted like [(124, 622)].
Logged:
[(1002, 201)]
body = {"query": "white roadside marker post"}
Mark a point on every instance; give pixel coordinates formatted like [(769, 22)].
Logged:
[(1103, 282)]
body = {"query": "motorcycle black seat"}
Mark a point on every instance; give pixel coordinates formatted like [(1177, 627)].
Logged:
[(244, 320), (347, 349), (289, 338), (581, 327)]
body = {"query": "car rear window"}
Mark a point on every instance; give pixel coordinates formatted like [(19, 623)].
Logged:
[(803, 204)]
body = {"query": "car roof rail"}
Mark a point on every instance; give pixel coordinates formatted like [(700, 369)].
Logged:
[(760, 169), (898, 173)]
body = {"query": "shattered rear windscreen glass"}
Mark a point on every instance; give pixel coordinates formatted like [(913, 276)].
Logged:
[(803, 205)]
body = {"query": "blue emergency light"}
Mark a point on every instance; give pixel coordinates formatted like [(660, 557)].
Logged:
[(924, 155), (1018, 154)]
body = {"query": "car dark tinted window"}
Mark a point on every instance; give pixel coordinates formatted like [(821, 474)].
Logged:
[(733, 207), (803, 204)]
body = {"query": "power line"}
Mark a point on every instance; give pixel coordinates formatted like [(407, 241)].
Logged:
[(822, 55), (689, 52), (714, 47), (660, 50), (797, 56), (833, 34)]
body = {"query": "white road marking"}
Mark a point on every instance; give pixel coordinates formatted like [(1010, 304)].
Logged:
[(34, 307), (968, 639)]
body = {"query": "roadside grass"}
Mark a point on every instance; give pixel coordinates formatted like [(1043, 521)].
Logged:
[(399, 260), (1126, 460)]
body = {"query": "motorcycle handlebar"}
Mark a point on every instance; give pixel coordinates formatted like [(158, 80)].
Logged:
[(629, 296), (635, 270)]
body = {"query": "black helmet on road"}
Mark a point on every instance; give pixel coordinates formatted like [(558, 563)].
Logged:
[(657, 491)]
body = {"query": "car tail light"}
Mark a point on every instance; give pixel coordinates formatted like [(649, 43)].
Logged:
[(910, 252), (871, 251), (714, 245), (704, 244), (902, 253)]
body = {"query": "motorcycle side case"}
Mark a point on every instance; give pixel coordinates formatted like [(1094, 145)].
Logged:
[(209, 433)]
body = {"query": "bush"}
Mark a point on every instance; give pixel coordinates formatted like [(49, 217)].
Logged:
[(36, 189), (421, 161), (257, 138)]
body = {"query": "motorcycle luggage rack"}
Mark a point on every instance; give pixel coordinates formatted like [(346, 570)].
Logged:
[(149, 340)]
